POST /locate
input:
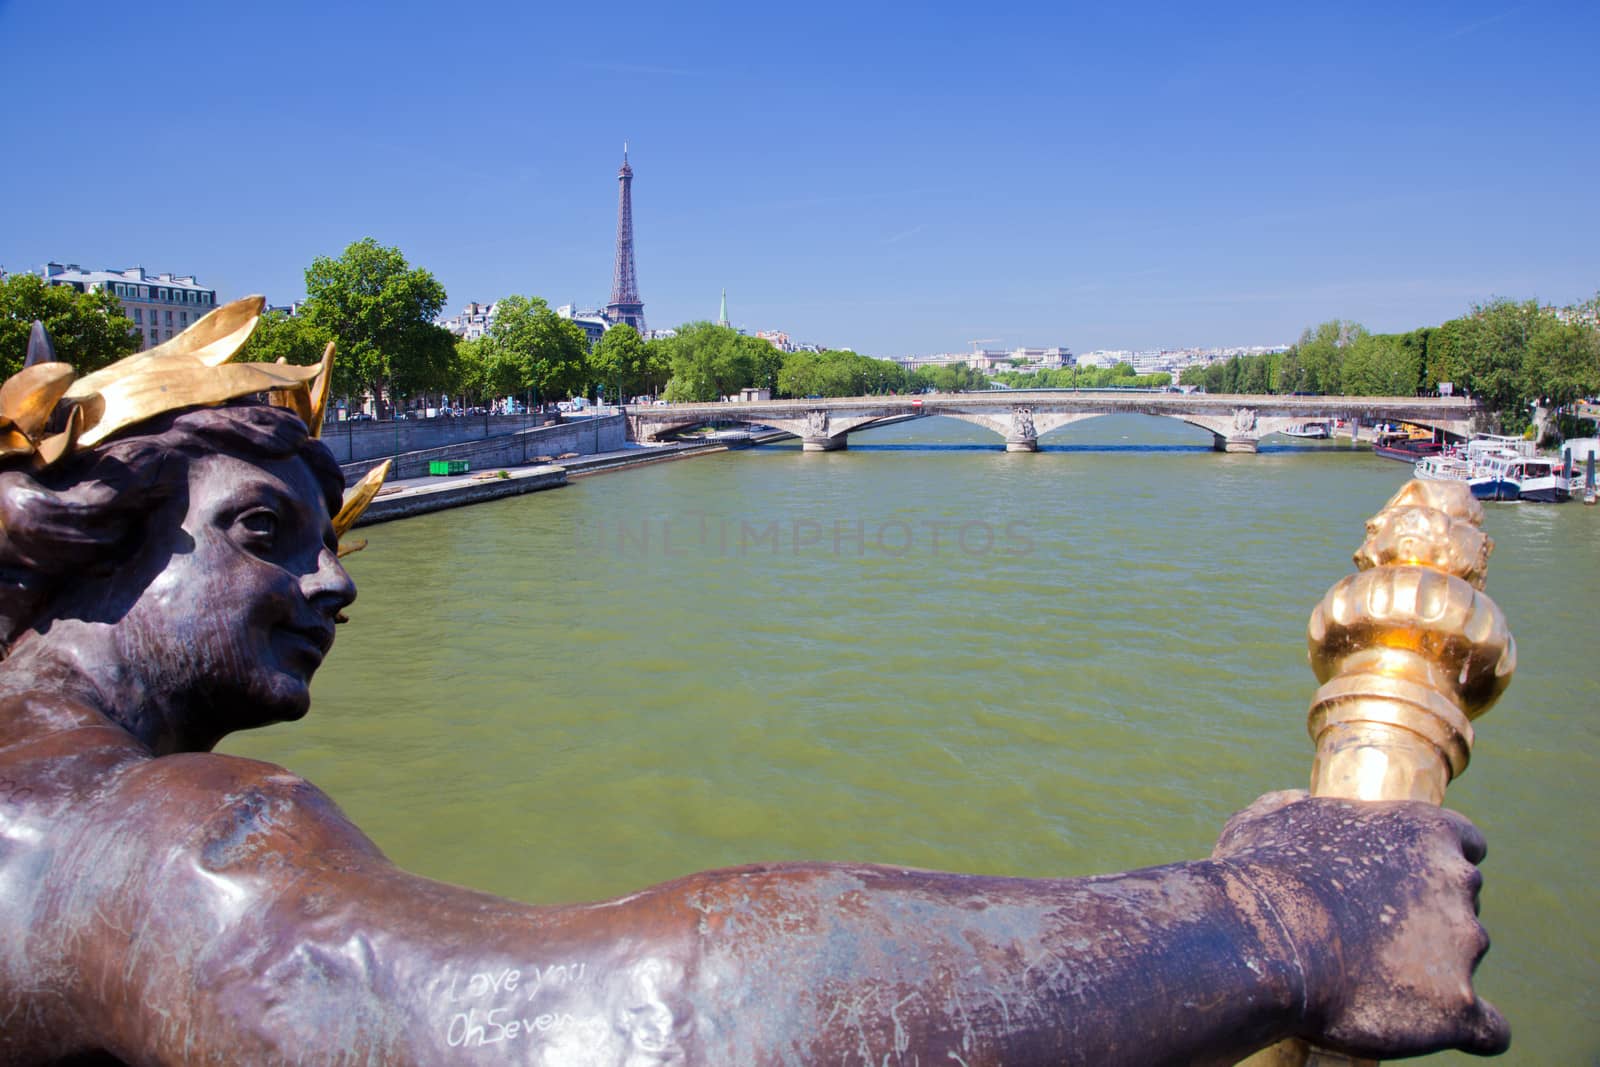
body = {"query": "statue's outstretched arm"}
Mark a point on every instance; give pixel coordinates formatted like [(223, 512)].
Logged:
[(278, 929)]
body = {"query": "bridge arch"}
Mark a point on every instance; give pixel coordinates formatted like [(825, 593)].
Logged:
[(1020, 427)]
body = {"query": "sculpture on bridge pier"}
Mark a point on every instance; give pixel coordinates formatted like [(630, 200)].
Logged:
[(171, 550), (1245, 436), (1022, 436), (816, 438)]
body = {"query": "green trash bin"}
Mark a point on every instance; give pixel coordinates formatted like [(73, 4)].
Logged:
[(447, 466)]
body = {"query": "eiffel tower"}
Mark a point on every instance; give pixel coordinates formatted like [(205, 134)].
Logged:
[(625, 305)]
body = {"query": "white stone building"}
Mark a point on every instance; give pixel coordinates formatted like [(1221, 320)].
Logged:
[(161, 305), (472, 323), (593, 323)]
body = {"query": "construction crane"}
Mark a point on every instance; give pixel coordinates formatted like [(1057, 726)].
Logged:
[(983, 341)]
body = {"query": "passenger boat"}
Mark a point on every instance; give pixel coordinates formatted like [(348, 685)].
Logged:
[(1492, 479), (1500, 468), (1506, 476), (1449, 466), (1543, 482), (1310, 431)]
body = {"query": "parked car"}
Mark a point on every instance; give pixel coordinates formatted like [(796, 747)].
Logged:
[(361, 416)]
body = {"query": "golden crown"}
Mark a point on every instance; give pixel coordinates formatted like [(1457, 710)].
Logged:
[(192, 369)]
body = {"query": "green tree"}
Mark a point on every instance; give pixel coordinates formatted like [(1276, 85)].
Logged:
[(800, 375), (1444, 356), (881, 376), (1493, 347), (1232, 375), (953, 378), (617, 362), (1254, 377), (533, 349), (470, 372), (380, 311), (292, 338), (1321, 356), (1412, 353), (1392, 367), (766, 362), (1119, 376), (838, 372), (1291, 375), (89, 329), (656, 367), (708, 362), (1562, 362)]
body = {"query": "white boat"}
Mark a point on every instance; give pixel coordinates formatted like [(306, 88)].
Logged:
[(1542, 482), (1483, 444), (1500, 468), (1310, 431), (1491, 477), (1445, 467), (1507, 476)]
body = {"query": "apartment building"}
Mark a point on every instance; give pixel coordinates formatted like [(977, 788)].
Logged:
[(160, 305), (472, 323)]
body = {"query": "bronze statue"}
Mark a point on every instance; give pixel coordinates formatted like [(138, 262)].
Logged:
[(169, 545)]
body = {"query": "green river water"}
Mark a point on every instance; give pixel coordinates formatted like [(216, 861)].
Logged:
[(925, 651)]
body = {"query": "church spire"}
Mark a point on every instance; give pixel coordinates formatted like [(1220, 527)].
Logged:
[(722, 318)]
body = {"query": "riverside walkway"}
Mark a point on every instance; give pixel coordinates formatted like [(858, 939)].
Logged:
[(1237, 422), (401, 498)]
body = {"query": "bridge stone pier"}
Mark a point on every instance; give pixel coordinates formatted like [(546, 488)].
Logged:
[(823, 431), (1019, 417), (1243, 430), (1021, 426)]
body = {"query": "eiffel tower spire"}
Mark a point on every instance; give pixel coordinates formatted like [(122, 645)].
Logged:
[(625, 305)]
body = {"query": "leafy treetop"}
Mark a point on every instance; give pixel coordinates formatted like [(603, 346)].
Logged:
[(380, 311), (89, 329)]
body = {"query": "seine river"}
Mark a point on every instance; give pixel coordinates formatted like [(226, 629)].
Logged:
[(925, 651)]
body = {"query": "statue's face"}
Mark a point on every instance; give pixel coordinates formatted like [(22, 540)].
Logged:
[(241, 612)]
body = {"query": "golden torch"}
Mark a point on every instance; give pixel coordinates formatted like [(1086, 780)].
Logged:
[(1409, 651)]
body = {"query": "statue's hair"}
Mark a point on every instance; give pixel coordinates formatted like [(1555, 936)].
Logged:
[(87, 514)]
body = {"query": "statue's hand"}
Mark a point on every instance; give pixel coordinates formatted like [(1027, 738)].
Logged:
[(1380, 903)]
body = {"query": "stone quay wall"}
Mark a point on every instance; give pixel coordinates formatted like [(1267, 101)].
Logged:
[(513, 448), (353, 441)]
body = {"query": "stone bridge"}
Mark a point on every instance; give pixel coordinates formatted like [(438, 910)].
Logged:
[(1236, 422)]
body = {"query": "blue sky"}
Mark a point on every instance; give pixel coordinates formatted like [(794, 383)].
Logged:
[(895, 180)]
